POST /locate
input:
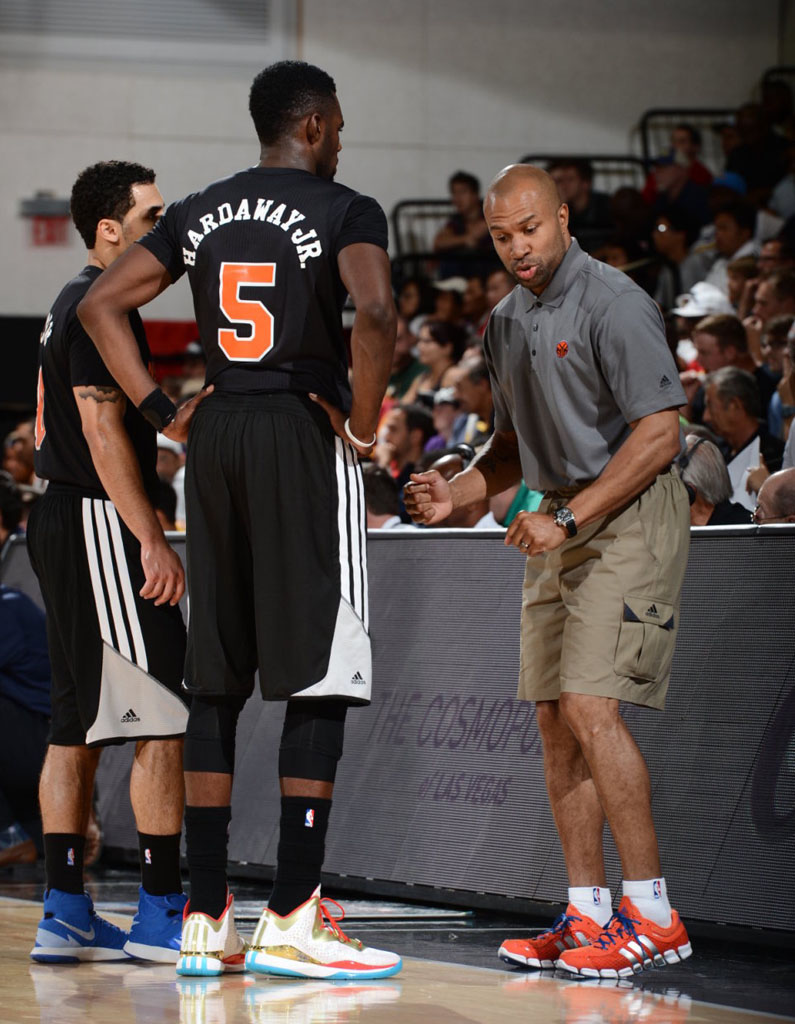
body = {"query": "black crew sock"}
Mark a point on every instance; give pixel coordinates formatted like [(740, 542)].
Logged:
[(206, 836), (160, 864), (63, 861), (302, 846)]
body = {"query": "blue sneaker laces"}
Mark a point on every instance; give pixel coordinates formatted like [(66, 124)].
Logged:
[(619, 926)]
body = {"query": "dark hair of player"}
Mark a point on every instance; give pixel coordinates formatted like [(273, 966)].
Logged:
[(283, 93), (104, 191)]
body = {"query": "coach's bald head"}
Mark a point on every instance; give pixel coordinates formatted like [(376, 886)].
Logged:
[(528, 224)]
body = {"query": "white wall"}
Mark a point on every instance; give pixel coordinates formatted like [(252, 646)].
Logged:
[(427, 86)]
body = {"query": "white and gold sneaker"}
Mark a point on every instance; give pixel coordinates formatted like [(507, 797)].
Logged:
[(309, 943), (209, 946)]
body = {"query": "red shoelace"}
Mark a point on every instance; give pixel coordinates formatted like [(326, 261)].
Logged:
[(330, 921)]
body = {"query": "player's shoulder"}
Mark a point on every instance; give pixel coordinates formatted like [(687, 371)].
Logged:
[(604, 283), (73, 291)]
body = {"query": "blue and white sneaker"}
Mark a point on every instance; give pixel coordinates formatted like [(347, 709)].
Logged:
[(71, 931), (156, 930)]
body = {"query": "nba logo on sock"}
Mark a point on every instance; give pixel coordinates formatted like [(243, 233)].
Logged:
[(70, 856), (309, 820), (657, 889), (148, 855), (597, 901)]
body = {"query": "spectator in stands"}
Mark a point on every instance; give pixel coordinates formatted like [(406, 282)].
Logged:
[(445, 413), (448, 300), (709, 488), (403, 435), (685, 149), (702, 300), (194, 364), (734, 237), (732, 411), (171, 469), (776, 500), (466, 233), (721, 341), (166, 505), (778, 107), (632, 217), (774, 297), (440, 346), (18, 455), (415, 301), (24, 704), (677, 192), (590, 216), (672, 237), (405, 365), (774, 355), (381, 499), (761, 157), (742, 276), (776, 254), (473, 390), (499, 283), (475, 308)]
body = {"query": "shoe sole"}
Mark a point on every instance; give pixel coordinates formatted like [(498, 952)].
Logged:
[(74, 955), (670, 956), (263, 963), (206, 967), (158, 954), (517, 960)]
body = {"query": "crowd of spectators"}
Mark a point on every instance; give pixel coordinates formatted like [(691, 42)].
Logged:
[(714, 248)]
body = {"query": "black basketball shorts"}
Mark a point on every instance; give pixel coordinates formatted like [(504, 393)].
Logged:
[(117, 661), (276, 552)]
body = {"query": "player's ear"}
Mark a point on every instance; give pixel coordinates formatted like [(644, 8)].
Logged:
[(109, 230), (314, 128), (563, 215)]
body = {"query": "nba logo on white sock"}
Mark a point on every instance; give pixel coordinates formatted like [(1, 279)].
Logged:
[(309, 820), (70, 856), (148, 855), (596, 896), (657, 889)]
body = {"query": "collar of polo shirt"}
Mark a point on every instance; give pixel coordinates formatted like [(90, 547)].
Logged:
[(570, 265)]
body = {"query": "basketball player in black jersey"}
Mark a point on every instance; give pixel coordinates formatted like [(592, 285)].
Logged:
[(110, 584), (275, 505)]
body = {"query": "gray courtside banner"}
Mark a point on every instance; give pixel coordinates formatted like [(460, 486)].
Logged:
[(442, 781)]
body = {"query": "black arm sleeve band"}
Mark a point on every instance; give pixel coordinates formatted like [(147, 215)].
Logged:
[(158, 409)]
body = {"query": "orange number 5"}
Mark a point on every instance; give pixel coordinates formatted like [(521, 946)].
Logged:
[(40, 429), (234, 276)]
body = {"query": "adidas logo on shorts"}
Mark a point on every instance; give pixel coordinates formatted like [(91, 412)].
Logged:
[(652, 611), (358, 679), (129, 718)]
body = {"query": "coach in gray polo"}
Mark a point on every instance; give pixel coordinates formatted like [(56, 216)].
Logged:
[(586, 394)]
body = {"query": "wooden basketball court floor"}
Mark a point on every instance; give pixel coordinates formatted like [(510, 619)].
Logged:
[(425, 992)]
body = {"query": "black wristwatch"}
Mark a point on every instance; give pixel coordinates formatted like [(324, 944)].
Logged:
[(565, 517)]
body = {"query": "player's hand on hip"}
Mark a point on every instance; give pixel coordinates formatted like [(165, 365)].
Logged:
[(534, 532), (178, 428), (165, 577), (337, 419), (428, 498)]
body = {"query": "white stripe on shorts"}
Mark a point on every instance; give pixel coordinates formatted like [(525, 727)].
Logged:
[(123, 642), (93, 568), (126, 587), (351, 524)]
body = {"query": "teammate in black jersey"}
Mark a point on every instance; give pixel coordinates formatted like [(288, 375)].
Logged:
[(275, 506), (110, 584)]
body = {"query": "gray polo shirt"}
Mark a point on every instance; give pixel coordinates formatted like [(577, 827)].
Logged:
[(571, 369)]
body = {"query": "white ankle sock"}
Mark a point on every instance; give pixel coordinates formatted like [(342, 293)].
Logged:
[(594, 901), (651, 898)]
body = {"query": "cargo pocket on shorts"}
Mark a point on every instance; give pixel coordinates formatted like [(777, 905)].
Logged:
[(646, 639)]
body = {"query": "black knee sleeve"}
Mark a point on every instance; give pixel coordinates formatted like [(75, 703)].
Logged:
[(210, 736), (312, 739)]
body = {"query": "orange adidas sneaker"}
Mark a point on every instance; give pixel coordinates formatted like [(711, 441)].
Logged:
[(629, 944), (569, 931)]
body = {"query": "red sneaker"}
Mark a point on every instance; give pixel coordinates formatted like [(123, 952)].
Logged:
[(571, 930), (628, 944)]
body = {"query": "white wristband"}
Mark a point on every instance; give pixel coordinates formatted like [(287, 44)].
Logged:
[(355, 440)]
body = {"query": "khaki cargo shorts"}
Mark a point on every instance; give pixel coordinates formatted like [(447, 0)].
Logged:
[(600, 614)]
